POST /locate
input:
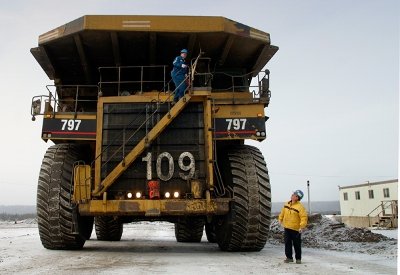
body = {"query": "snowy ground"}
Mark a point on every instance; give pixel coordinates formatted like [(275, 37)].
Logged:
[(150, 248), (388, 233), (325, 233)]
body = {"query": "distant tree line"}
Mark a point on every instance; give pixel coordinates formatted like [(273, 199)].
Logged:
[(16, 217)]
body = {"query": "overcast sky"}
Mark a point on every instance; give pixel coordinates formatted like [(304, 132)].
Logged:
[(334, 81)]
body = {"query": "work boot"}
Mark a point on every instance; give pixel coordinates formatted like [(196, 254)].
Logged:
[(298, 261), (287, 260)]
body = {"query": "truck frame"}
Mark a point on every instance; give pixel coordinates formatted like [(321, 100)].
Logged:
[(124, 153)]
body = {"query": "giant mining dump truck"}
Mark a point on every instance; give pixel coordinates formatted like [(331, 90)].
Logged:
[(125, 153)]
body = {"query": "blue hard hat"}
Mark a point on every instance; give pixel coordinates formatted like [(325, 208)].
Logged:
[(299, 194), (184, 51)]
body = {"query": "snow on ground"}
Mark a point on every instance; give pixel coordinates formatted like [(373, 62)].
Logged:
[(326, 233), (388, 233), (150, 248)]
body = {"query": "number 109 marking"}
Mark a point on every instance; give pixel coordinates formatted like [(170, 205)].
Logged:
[(171, 166)]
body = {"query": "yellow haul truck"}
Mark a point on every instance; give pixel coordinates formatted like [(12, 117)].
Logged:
[(124, 153)]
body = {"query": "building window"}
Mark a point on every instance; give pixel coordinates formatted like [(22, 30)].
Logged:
[(386, 193), (371, 194), (357, 195), (345, 197)]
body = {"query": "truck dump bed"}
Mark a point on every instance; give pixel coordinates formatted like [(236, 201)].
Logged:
[(72, 53)]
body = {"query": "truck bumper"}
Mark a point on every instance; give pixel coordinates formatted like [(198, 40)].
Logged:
[(155, 208)]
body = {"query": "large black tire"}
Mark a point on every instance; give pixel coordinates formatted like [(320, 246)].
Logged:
[(189, 229), (56, 214), (210, 232), (108, 229), (246, 226)]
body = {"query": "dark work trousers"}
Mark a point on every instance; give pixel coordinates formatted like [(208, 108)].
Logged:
[(180, 85), (292, 238)]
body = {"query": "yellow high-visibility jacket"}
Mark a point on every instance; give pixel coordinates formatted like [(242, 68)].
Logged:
[(293, 216)]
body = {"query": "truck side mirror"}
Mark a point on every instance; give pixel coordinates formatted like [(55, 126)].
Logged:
[(36, 107)]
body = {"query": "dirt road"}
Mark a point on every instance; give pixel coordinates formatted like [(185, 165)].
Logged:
[(148, 248)]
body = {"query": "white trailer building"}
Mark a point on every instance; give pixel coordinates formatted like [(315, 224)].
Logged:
[(370, 204)]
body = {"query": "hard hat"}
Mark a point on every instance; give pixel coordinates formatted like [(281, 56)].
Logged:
[(299, 194), (184, 51)]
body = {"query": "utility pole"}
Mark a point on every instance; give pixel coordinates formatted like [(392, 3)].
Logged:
[(309, 201)]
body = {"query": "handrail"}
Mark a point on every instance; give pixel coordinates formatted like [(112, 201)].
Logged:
[(119, 69), (262, 85), (122, 146), (384, 205), (190, 75), (262, 95), (55, 102), (76, 99), (381, 205)]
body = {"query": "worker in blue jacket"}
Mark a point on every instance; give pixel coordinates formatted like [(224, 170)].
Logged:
[(179, 73)]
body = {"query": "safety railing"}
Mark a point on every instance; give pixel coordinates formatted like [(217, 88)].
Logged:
[(220, 190), (257, 83), (258, 87), (127, 80), (382, 210), (65, 99), (148, 115), (144, 117)]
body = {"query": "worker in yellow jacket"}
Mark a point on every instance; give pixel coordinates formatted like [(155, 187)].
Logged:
[(293, 218)]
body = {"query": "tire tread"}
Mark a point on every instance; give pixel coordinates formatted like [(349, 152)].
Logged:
[(249, 222)]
